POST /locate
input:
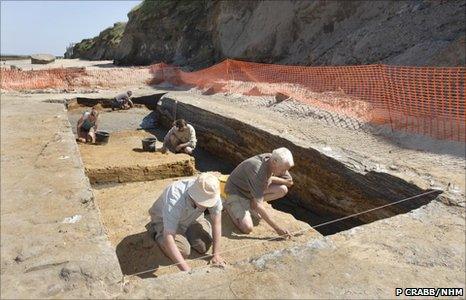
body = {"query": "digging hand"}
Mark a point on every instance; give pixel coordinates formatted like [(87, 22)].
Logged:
[(284, 233), (218, 261)]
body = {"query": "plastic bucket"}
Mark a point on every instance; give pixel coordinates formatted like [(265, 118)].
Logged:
[(148, 144), (101, 137)]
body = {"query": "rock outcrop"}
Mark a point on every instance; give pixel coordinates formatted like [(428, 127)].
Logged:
[(42, 59), (197, 34), (101, 47), (179, 32)]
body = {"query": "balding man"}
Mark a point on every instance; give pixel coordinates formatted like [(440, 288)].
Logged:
[(263, 177)]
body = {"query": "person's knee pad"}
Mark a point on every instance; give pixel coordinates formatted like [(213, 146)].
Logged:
[(199, 236), (183, 246), (185, 251), (201, 246)]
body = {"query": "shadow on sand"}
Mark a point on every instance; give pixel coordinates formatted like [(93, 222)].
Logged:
[(139, 252)]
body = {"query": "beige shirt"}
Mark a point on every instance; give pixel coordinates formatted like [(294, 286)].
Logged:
[(182, 136), (175, 211)]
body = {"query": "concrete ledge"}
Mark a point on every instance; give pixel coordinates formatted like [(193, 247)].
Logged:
[(53, 243)]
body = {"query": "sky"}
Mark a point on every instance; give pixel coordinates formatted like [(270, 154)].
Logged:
[(29, 27)]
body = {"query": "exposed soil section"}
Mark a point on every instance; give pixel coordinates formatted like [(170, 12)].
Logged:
[(124, 210), (123, 160), (148, 101), (323, 186)]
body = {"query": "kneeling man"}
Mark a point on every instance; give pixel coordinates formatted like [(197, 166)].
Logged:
[(263, 177), (180, 138), (178, 222)]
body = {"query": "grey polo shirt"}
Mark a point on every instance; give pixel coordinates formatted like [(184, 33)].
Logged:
[(175, 210), (250, 178), (121, 97)]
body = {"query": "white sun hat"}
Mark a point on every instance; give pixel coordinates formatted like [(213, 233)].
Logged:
[(206, 190)]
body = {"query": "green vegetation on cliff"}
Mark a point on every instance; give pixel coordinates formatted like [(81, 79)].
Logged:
[(101, 46)]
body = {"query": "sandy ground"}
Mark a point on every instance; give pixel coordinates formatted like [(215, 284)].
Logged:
[(142, 119), (124, 213), (123, 160), (42, 175), (366, 262)]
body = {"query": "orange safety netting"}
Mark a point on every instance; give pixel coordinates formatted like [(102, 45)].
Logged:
[(70, 78), (39, 79), (424, 100)]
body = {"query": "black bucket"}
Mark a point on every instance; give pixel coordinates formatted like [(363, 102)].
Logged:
[(148, 144), (101, 137)]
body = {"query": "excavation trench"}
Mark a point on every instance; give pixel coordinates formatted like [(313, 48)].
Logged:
[(324, 190), (126, 181)]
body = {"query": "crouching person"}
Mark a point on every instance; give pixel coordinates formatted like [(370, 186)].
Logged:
[(178, 223), (180, 138), (122, 101), (87, 126), (263, 177)]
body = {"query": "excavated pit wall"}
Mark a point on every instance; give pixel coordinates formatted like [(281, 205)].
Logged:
[(126, 181), (323, 185)]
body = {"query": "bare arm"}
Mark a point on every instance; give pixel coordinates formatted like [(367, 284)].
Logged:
[(166, 139), (181, 146), (282, 181), (217, 233), (173, 252), (192, 140), (258, 206), (80, 122)]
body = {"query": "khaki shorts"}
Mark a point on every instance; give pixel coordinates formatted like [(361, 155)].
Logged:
[(238, 207), (198, 236), (172, 143)]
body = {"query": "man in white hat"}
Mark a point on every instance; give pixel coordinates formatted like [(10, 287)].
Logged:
[(178, 222), (263, 177)]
